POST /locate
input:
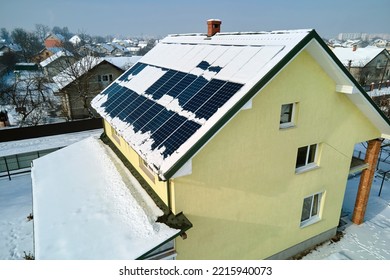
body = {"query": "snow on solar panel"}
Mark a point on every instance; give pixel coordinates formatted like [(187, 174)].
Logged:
[(159, 109)]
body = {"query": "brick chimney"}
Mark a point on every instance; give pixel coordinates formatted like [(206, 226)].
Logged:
[(214, 26)]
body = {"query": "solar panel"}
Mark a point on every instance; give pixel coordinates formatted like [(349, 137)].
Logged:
[(181, 135), (147, 116), (164, 78), (120, 105), (180, 86), (166, 129), (134, 103), (138, 67), (146, 103), (191, 90), (165, 88), (202, 95), (157, 120), (114, 96), (217, 100)]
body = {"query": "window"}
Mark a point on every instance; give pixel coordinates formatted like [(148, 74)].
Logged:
[(145, 168), (306, 157), (311, 209), (115, 135), (105, 78), (287, 115)]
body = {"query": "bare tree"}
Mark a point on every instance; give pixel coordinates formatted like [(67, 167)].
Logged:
[(28, 41), (31, 97), (42, 31)]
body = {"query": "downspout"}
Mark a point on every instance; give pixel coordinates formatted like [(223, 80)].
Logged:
[(169, 195)]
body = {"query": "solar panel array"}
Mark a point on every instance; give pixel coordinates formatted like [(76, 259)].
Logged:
[(169, 129)]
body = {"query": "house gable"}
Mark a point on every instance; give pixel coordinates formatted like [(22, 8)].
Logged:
[(256, 194)]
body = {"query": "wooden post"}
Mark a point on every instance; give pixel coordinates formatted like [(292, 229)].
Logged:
[(366, 179)]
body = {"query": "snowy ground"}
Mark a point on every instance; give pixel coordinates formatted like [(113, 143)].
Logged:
[(369, 241), (16, 232)]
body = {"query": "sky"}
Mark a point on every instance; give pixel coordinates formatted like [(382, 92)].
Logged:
[(163, 17)]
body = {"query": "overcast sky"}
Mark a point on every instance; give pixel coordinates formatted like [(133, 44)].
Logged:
[(162, 17)]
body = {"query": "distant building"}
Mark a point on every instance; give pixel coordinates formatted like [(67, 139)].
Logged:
[(78, 84), (54, 40), (367, 65)]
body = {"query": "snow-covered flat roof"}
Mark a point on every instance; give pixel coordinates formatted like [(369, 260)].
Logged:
[(87, 205)]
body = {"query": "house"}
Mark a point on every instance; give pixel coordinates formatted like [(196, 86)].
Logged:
[(250, 135), (57, 62), (81, 81), (369, 65), (246, 137), (54, 40), (45, 53)]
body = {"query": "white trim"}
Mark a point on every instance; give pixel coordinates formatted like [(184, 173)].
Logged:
[(316, 218), (247, 105), (308, 167), (347, 89), (185, 170)]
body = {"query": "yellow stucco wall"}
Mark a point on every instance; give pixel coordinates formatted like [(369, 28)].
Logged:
[(159, 187), (243, 196)]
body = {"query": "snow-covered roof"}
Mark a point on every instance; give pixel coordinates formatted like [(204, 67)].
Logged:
[(76, 70), (358, 58), (75, 39), (88, 206), (181, 92), (56, 55), (123, 62)]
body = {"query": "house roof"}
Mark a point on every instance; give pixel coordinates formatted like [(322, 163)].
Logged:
[(169, 104), (81, 67), (100, 212), (358, 58), (55, 56)]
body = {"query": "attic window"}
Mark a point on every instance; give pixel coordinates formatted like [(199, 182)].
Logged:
[(287, 115)]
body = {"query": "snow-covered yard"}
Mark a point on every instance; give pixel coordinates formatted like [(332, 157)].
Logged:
[(16, 232), (369, 241)]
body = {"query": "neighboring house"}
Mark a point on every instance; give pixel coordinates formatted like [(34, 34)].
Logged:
[(45, 53), (75, 40), (249, 135), (57, 62), (105, 49), (367, 65), (83, 80), (54, 40)]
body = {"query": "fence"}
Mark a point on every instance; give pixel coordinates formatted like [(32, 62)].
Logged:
[(21, 163), (12, 134)]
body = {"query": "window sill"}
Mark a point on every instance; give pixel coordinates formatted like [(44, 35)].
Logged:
[(306, 168), (286, 125), (309, 222)]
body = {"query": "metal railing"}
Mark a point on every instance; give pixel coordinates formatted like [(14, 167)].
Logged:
[(20, 163)]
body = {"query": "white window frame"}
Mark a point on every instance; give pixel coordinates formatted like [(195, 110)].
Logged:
[(291, 123), (308, 165), (313, 218)]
